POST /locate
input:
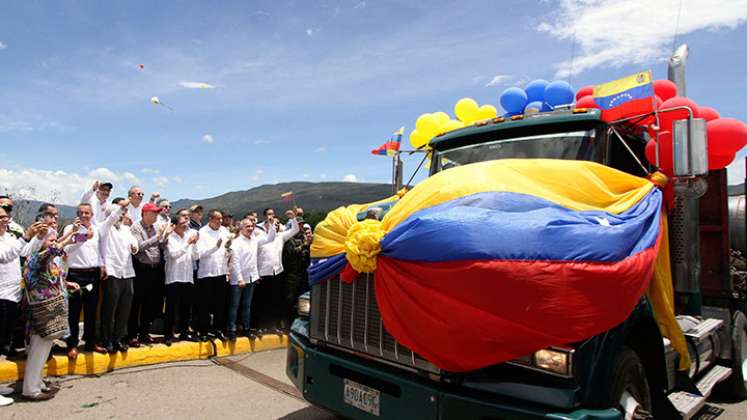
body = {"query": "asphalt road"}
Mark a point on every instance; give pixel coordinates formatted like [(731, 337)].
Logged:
[(251, 386)]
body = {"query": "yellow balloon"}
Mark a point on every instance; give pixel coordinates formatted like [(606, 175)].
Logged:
[(427, 123), (452, 125), (418, 139), (441, 117), (488, 111), (467, 110)]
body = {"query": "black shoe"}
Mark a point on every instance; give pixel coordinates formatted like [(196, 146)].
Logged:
[(220, 336), (231, 336), (188, 337), (122, 346), (250, 335), (168, 340), (204, 338), (111, 348)]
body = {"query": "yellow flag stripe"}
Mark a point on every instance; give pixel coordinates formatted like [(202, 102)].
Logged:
[(620, 85)]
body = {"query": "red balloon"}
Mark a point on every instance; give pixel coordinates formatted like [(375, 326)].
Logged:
[(651, 118), (665, 152), (665, 89), (666, 118), (726, 136), (587, 102), (708, 113), (584, 91), (716, 161), (658, 101)]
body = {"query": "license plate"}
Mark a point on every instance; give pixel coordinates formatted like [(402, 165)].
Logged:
[(361, 397)]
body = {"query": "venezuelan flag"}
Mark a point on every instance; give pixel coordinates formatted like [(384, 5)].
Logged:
[(286, 196), (388, 148), (626, 97), (491, 261)]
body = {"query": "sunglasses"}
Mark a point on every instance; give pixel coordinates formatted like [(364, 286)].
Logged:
[(7, 207)]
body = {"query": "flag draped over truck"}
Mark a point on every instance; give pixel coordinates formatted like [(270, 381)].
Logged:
[(487, 262)]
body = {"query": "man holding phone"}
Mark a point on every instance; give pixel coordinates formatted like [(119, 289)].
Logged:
[(84, 268)]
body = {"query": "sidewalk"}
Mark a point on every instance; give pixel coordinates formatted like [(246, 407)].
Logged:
[(94, 363)]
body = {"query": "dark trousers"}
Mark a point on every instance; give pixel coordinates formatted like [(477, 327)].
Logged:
[(178, 301), (86, 300), (269, 302), (240, 306), (147, 300), (8, 318), (115, 309), (211, 300)]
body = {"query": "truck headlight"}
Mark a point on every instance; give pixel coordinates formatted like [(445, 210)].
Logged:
[(553, 360), (304, 305)]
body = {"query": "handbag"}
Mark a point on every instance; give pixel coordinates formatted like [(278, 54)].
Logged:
[(48, 317)]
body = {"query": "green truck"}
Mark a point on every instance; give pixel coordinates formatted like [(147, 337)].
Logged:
[(341, 357)]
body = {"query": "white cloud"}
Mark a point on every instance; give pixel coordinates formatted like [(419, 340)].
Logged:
[(150, 171), (3, 46), (499, 79), (177, 179), (60, 186), (305, 176), (350, 178), (320, 149), (323, 176), (196, 85), (309, 31), (360, 5), (612, 33), (161, 181), (257, 174), (261, 141), (208, 138)]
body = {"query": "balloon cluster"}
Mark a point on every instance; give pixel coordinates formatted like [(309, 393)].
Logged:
[(430, 125), (537, 96), (726, 136)]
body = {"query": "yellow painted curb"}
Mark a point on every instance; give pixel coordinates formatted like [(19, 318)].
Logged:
[(94, 363)]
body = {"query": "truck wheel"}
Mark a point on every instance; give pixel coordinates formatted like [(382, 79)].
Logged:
[(735, 386), (629, 391)]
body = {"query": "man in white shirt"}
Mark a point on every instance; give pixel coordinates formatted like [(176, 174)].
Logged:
[(13, 228), (180, 253), (85, 267), (98, 197), (211, 286), (244, 274), (164, 213), (270, 264), (135, 195), (118, 245)]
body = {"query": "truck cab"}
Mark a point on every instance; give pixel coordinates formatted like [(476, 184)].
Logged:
[(341, 357)]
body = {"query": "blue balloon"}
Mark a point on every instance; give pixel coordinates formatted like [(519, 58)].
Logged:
[(513, 99), (546, 107), (510, 114), (536, 90), (533, 105), (559, 93)]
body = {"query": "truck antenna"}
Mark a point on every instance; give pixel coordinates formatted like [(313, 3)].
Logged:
[(676, 28)]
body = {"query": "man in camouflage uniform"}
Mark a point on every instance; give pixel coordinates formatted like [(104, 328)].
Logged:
[(296, 258)]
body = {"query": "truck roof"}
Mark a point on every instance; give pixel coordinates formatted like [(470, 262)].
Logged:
[(565, 116)]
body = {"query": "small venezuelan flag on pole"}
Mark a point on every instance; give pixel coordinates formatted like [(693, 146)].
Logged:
[(390, 147), (626, 97), (286, 197)]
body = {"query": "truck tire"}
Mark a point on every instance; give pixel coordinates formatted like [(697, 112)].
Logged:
[(629, 391), (735, 386)]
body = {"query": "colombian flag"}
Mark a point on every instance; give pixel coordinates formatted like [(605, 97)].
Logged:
[(388, 148), (626, 97), (487, 262)]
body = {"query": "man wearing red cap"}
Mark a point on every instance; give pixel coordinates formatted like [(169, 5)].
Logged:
[(149, 274)]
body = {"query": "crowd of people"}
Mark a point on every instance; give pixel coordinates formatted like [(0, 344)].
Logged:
[(127, 262)]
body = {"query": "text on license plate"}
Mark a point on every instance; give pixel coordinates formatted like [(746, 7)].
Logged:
[(362, 397)]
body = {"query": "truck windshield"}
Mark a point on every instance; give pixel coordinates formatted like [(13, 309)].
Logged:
[(575, 145)]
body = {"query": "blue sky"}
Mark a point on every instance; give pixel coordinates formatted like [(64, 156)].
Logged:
[(303, 90)]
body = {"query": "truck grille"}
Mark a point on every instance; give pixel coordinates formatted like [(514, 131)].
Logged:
[(347, 316)]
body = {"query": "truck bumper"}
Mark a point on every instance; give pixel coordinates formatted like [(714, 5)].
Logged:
[(321, 376)]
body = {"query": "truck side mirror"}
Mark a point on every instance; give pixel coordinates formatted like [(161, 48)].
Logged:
[(690, 148)]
